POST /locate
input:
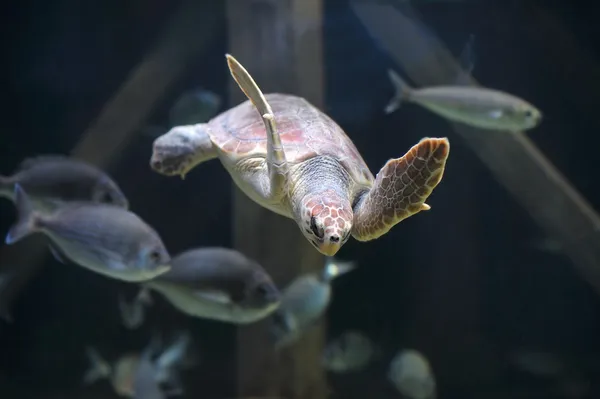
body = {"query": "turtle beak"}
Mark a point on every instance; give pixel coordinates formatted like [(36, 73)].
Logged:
[(329, 248)]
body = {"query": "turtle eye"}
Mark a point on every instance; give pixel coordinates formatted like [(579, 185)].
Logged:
[(315, 228)]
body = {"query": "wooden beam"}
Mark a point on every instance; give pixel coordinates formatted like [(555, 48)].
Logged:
[(553, 203), (265, 36), (187, 33)]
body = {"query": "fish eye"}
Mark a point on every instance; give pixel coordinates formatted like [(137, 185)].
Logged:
[(262, 290), (315, 228), (155, 256), (106, 197), (528, 114)]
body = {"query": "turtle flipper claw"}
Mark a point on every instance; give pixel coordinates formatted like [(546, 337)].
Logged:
[(401, 188)]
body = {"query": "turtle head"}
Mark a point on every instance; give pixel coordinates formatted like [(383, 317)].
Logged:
[(180, 149), (326, 220)]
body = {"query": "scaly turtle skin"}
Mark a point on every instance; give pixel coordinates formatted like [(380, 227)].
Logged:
[(305, 168)]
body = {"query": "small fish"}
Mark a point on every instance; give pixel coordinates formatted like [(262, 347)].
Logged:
[(219, 284), (478, 107), (412, 376), (542, 364), (350, 352), (103, 238), (303, 303), (52, 179), (475, 106), (138, 375), (566, 374), (194, 106), (132, 314)]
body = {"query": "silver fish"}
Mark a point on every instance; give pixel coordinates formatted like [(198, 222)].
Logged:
[(52, 179), (411, 374), (194, 106), (303, 303), (568, 375), (538, 363), (474, 106), (219, 284), (137, 375), (350, 352), (103, 238)]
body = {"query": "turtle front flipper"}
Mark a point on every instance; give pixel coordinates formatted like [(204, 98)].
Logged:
[(401, 188), (180, 149), (276, 162)]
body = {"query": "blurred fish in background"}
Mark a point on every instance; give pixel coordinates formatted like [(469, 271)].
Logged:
[(411, 374), (304, 301), (192, 107), (106, 239), (195, 106), (350, 352), (53, 179), (140, 376), (564, 374), (214, 283)]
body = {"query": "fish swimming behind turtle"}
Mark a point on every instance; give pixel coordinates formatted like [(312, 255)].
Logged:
[(294, 160)]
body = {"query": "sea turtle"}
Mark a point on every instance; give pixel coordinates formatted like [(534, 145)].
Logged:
[(305, 168)]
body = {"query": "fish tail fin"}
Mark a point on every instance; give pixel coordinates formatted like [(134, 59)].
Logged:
[(334, 268), (402, 94), (26, 217), (177, 353), (99, 368)]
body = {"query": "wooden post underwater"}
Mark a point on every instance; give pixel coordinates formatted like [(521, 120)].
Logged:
[(279, 43)]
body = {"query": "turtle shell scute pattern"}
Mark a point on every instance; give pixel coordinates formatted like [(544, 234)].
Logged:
[(305, 132)]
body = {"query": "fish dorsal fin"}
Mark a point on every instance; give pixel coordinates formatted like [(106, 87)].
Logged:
[(30, 162), (214, 296)]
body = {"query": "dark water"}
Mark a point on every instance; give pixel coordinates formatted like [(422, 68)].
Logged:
[(466, 283)]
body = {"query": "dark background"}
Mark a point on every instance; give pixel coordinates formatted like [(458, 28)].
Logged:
[(64, 59)]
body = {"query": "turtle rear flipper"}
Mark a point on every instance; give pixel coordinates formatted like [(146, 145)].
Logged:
[(276, 161), (401, 188)]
